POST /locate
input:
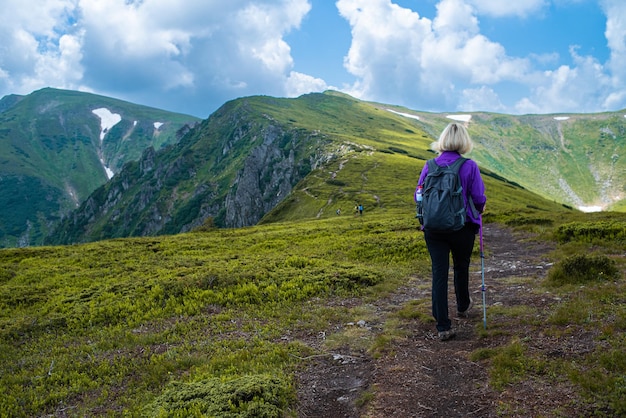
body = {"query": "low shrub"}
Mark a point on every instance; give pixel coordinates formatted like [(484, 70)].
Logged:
[(591, 231), (247, 396), (582, 268)]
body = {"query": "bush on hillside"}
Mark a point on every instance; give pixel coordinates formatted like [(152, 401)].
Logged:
[(248, 396), (591, 231), (582, 268)]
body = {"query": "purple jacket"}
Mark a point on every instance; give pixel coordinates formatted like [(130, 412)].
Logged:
[(471, 181)]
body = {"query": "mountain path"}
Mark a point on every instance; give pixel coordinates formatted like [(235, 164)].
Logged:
[(419, 376)]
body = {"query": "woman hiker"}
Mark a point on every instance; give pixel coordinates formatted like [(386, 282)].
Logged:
[(453, 142)]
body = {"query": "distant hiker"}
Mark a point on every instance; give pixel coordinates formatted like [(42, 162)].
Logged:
[(360, 209), (453, 142), (339, 211)]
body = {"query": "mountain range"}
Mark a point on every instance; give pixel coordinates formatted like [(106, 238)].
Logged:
[(58, 146), (262, 159)]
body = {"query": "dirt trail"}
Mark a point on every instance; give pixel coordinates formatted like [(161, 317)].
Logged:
[(420, 376)]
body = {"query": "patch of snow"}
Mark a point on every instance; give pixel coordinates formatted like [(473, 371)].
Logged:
[(588, 209), (407, 115), (462, 118), (157, 125), (107, 120), (561, 117), (109, 172)]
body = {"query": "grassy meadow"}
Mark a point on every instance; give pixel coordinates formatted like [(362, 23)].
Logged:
[(121, 325), (214, 322)]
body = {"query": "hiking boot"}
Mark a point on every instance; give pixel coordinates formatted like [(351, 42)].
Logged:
[(465, 313), (446, 335)]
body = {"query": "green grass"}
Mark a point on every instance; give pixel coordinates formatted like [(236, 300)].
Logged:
[(111, 324), (187, 324)]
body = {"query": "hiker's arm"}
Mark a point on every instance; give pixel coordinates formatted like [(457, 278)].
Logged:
[(477, 190)]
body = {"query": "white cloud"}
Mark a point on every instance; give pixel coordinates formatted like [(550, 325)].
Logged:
[(585, 87), (61, 67), (135, 49), (386, 50), (39, 46), (447, 63), (44, 20), (615, 11), (404, 56), (197, 54), (482, 98), (455, 19), (298, 84), (262, 28)]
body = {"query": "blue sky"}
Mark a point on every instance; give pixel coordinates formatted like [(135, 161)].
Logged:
[(191, 56)]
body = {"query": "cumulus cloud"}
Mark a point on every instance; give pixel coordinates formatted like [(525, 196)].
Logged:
[(447, 63), (387, 44), (194, 55), (581, 88), (482, 98), (39, 46), (203, 51), (615, 11), (588, 85), (299, 84), (408, 59)]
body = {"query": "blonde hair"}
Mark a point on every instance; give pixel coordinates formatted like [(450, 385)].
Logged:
[(454, 138)]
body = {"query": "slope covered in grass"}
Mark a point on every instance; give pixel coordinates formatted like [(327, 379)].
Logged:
[(109, 325), (217, 321)]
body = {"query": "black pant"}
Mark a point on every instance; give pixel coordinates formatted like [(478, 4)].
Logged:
[(440, 245)]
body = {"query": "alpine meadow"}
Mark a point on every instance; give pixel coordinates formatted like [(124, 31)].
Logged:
[(224, 272)]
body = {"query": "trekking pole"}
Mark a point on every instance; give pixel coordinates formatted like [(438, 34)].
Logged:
[(482, 269)]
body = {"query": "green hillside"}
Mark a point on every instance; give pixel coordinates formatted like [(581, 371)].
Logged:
[(238, 166), (55, 150), (264, 159), (218, 322), (575, 159), (221, 321)]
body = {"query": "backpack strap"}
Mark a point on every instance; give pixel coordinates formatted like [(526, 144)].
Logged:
[(472, 206), (457, 167)]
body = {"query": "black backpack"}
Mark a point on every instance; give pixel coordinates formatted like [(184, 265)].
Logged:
[(443, 203)]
